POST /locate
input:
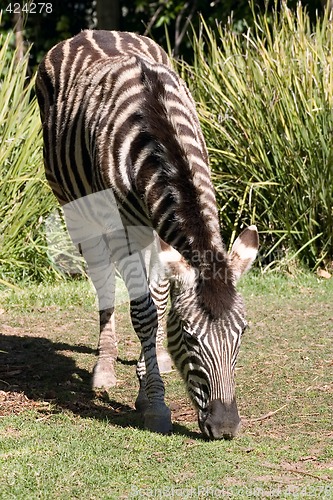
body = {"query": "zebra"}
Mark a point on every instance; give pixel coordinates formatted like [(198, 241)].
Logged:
[(122, 141)]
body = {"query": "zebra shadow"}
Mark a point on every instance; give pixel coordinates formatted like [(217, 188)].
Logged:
[(37, 369)]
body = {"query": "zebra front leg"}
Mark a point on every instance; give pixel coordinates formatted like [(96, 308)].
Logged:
[(102, 273), (157, 416), (150, 400), (104, 375), (142, 401), (160, 293), (165, 366)]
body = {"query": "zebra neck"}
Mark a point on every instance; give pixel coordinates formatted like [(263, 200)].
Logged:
[(215, 287), (173, 176)]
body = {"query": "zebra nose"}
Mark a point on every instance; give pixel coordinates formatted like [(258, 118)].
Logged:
[(222, 421)]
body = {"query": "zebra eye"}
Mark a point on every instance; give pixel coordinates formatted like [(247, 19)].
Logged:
[(245, 327)]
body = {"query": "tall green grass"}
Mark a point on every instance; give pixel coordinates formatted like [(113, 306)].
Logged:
[(265, 102), (25, 198)]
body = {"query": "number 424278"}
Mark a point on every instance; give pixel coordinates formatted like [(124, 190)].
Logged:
[(29, 8)]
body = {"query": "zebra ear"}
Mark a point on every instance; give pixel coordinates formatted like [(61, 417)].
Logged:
[(244, 251)]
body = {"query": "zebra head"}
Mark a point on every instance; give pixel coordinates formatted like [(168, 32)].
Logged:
[(205, 326)]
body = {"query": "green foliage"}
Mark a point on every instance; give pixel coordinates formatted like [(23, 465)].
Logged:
[(154, 17), (25, 198), (265, 102), (67, 18)]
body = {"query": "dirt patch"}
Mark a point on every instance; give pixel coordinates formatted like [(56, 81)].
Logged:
[(46, 362), (13, 403)]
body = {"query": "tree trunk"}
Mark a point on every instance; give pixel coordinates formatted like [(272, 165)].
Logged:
[(19, 42), (108, 14)]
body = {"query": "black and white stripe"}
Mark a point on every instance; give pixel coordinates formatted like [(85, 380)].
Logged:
[(117, 119)]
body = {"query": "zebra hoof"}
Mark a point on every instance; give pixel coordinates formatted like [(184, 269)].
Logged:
[(142, 402), (104, 376), (157, 418)]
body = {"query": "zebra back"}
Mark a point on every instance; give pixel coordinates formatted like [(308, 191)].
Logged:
[(116, 116)]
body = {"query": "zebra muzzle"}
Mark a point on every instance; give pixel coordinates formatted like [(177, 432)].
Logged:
[(222, 422)]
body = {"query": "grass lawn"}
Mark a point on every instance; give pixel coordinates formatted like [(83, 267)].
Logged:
[(59, 440)]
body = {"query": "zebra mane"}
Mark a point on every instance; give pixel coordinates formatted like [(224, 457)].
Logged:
[(192, 235)]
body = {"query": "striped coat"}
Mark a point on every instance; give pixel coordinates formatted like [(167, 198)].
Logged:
[(118, 120)]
